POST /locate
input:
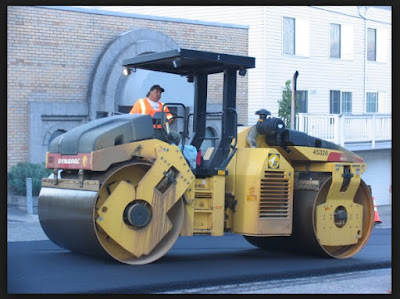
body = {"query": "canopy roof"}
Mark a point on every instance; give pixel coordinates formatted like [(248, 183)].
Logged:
[(186, 62)]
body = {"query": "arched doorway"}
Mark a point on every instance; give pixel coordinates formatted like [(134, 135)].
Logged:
[(110, 91), (138, 83)]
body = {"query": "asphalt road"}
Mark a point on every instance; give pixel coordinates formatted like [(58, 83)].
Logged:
[(193, 262), (376, 281)]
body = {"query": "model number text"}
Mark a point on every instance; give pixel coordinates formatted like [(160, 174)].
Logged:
[(320, 152)]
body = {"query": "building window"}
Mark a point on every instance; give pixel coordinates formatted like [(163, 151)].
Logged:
[(340, 102), (376, 102), (372, 102), (288, 36), (334, 102), (371, 50), (296, 36), (335, 41), (341, 41), (346, 102), (302, 101)]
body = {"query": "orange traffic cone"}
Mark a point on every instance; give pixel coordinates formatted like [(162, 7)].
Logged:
[(377, 220)]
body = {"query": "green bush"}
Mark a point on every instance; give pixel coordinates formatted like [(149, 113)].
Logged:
[(17, 177), (285, 104)]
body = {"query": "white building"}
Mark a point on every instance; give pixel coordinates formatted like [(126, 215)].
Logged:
[(343, 56)]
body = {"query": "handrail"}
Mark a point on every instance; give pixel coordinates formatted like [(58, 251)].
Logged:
[(185, 133), (226, 161), (346, 128)]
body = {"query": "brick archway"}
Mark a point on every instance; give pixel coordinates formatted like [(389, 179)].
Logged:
[(107, 70)]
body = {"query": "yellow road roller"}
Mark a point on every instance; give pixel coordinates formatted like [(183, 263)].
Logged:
[(124, 187)]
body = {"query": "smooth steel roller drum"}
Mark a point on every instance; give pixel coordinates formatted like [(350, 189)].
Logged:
[(304, 238), (68, 217)]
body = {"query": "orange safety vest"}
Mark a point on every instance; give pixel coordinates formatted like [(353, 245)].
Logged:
[(143, 106)]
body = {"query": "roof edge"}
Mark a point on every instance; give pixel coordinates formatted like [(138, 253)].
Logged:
[(143, 16)]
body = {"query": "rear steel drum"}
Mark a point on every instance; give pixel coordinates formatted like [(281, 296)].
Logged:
[(305, 213)]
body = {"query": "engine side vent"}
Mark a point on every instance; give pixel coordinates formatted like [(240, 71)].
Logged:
[(274, 195)]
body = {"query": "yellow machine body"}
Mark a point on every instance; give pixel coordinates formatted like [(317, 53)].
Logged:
[(254, 197), (121, 188), (264, 192), (204, 212), (158, 175), (265, 181)]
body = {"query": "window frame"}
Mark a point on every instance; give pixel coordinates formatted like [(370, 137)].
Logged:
[(306, 100), (339, 44), (332, 104), (376, 102), (341, 103), (374, 58), (293, 41)]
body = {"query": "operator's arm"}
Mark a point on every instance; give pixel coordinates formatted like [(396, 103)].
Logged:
[(136, 108), (170, 117)]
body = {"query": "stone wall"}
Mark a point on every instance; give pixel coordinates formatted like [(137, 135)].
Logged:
[(54, 52)]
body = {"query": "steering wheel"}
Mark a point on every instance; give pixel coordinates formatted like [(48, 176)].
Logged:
[(165, 125)]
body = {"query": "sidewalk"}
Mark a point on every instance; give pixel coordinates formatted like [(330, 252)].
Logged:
[(22, 226), (15, 214)]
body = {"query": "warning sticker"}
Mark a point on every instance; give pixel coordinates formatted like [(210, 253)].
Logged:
[(251, 197), (84, 160), (273, 161)]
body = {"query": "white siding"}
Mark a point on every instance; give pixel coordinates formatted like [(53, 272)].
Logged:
[(302, 37), (347, 45), (382, 102), (379, 73), (317, 72), (378, 174)]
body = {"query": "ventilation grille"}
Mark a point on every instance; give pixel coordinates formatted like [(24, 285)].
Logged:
[(274, 197), (203, 201), (203, 195)]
